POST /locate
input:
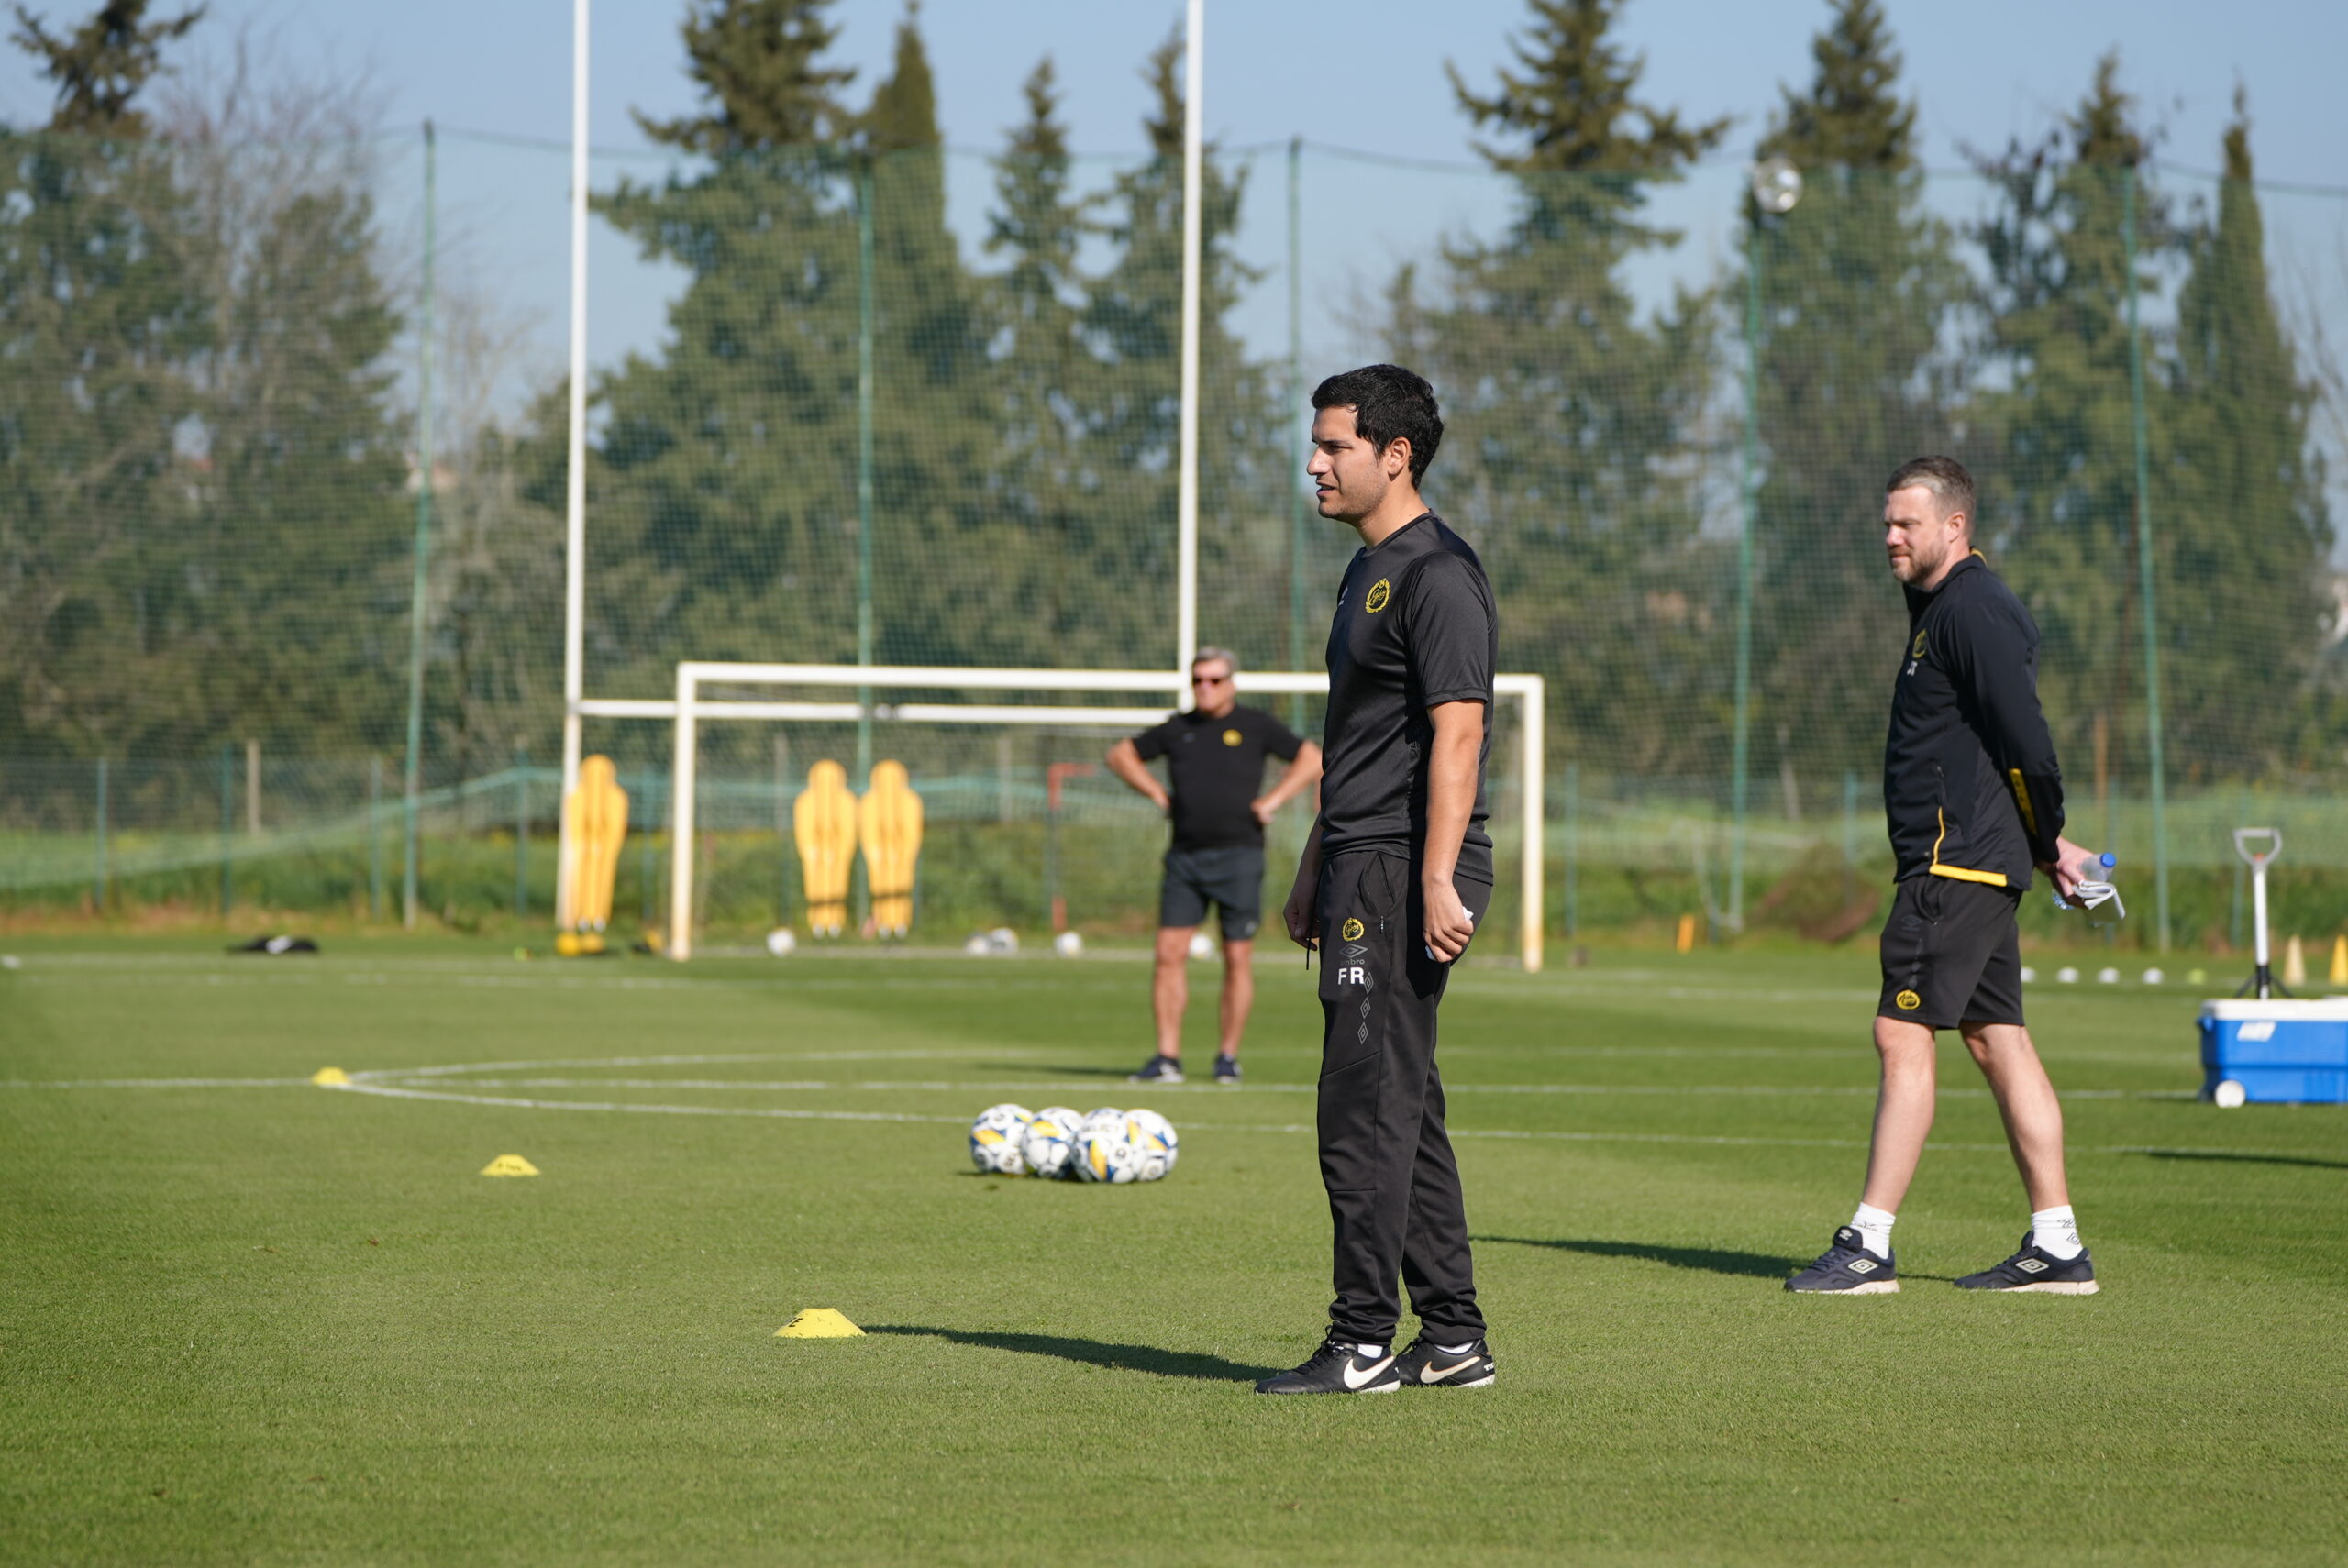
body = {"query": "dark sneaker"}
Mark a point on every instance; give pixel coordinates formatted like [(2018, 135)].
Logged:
[(1159, 1070), (1339, 1366), (2030, 1269), (1427, 1364), (1226, 1071), (1847, 1268)]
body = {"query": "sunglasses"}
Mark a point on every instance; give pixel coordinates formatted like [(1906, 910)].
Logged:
[(1209, 680)]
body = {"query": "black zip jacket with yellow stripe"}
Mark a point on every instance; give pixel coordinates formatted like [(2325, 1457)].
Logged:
[(1970, 786)]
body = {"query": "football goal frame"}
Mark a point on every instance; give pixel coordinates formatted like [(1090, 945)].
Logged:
[(689, 709)]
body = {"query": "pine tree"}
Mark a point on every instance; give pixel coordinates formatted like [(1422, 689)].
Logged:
[(756, 62), (1042, 484), (1858, 287), (723, 487), (97, 323), (1568, 415), (2243, 533), (2059, 488)]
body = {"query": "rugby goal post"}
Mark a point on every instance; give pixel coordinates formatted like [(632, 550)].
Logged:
[(689, 709)]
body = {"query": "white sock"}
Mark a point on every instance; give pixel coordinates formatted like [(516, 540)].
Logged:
[(2056, 1233), (1456, 1350), (1373, 1352), (1873, 1225)]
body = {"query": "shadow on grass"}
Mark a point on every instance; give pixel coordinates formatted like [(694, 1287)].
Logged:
[(2234, 1157), (1095, 1353), (1756, 1266)]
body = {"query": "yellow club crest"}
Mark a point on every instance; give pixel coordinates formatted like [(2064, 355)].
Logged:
[(1231, 738), (1908, 1002), (1375, 600), (1350, 931), (1916, 649)]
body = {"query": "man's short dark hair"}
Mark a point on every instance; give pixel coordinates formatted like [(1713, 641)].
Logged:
[(1945, 477), (1390, 404)]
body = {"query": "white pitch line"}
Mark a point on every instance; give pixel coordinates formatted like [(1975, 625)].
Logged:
[(154, 1083)]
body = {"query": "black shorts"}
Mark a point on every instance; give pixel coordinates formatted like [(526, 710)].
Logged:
[(1952, 954), (1230, 876)]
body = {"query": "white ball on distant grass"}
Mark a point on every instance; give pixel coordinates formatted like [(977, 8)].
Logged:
[(1049, 1147), (998, 1140), (1201, 945), (2153, 976), (10, 961), (2229, 1095), (1068, 945), (2066, 975), (1159, 1145), (2029, 975), (782, 942), (2107, 977)]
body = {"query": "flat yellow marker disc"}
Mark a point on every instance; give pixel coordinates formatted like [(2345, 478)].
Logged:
[(329, 1078), (819, 1323), (509, 1165)]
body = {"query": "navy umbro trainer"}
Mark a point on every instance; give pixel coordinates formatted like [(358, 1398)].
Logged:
[(2030, 1269), (1847, 1268)]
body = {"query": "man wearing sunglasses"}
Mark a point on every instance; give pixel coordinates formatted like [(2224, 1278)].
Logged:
[(1214, 761)]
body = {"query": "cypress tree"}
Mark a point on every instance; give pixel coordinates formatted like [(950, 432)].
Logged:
[(2241, 527)]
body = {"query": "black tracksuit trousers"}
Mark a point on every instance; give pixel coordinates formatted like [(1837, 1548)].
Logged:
[(1393, 1185)]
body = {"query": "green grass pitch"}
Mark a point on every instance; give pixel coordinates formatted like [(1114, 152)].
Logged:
[(246, 1320)]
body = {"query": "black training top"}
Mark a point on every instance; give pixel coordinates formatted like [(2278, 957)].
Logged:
[(1216, 770), (1415, 626), (1970, 786)]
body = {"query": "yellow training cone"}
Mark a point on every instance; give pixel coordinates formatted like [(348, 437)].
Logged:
[(2340, 960), (509, 1165), (2294, 963), (329, 1078), (819, 1323)]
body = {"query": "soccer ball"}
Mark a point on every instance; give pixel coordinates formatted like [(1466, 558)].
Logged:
[(1201, 945), (781, 941), (1068, 945), (1049, 1146), (998, 1138), (1106, 1149), (1154, 1136)]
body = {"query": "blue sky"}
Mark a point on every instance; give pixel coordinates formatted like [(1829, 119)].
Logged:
[(1366, 73), (1363, 75)]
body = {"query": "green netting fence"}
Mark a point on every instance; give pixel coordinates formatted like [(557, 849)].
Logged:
[(924, 409)]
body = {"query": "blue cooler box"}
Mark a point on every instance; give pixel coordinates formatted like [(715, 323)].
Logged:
[(2282, 1052)]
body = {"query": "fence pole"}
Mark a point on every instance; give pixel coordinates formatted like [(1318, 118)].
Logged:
[(1573, 849), (416, 606), (522, 833), (864, 466), (2144, 570), (1741, 746), (98, 874), (1299, 491), (374, 838), (227, 828)]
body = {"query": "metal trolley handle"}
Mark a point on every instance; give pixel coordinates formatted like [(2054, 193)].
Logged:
[(2256, 859)]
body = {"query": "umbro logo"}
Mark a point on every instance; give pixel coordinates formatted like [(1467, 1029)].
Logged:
[(2031, 1265), (1866, 1265)]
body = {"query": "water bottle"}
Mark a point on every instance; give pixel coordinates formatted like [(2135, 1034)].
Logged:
[(2094, 868)]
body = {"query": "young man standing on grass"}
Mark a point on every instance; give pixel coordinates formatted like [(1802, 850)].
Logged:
[(1395, 874), (1214, 763), (1973, 799)]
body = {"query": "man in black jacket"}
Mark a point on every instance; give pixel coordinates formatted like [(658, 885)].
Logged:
[(1973, 801)]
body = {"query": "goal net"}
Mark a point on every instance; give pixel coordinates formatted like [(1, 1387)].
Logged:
[(1024, 828)]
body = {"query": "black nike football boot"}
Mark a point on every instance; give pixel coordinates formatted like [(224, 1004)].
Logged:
[(1339, 1366), (1427, 1364)]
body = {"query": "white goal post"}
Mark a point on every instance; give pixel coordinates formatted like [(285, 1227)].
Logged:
[(689, 709)]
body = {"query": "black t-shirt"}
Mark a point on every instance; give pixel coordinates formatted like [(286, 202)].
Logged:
[(1414, 627), (1216, 770)]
